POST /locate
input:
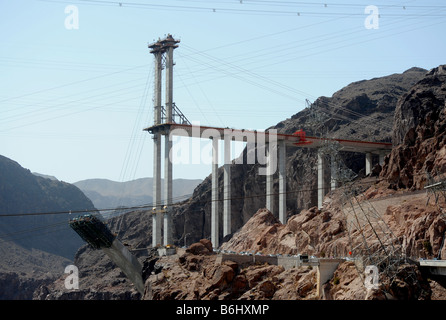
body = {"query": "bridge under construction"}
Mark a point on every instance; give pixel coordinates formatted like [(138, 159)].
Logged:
[(377, 245), (169, 121)]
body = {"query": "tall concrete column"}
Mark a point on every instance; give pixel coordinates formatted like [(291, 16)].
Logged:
[(320, 179), (269, 180), (368, 163), (160, 48), (156, 216), (157, 87), (334, 167), (169, 83), (214, 192), (227, 187), (282, 181), (167, 189)]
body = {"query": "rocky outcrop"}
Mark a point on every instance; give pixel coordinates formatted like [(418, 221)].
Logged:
[(15, 286), (419, 133), (312, 231), (198, 276), (23, 270), (417, 225)]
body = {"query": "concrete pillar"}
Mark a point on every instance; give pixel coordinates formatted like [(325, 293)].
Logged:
[(381, 158), (368, 163), (320, 179), (334, 166), (169, 83), (156, 216), (282, 182), (269, 180), (167, 190), (214, 191), (157, 87), (227, 187)]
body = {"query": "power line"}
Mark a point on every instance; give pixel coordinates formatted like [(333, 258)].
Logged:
[(154, 204), (256, 76), (71, 83), (241, 10)]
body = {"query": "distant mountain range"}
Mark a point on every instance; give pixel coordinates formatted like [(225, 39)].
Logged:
[(106, 194)]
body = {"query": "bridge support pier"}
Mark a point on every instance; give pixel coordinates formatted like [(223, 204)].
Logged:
[(381, 158), (214, 192), (269, 181), (227, 187), (282, 182), (160, 48), (334, 168), (167, 190), (320, 179), (368, 163), (156, 214)]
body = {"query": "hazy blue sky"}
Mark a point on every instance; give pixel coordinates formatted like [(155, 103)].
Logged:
[(74, 102)]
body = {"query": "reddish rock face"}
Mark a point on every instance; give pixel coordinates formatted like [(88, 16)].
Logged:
[(202, 247), (419, 133)]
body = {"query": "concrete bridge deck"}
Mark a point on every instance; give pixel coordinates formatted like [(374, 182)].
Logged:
[(435, 267), (198, 131)]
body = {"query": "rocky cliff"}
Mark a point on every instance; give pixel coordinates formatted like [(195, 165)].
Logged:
[(419, 134), (22, 270), (196, 274)]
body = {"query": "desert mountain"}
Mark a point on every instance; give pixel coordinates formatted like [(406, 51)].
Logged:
[(35, 249), (23, 193)]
